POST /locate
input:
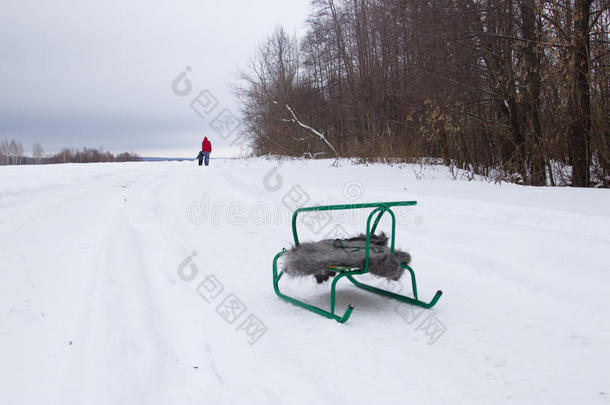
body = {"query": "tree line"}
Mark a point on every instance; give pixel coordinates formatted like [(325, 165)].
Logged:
[(512, 89), (12, 153)]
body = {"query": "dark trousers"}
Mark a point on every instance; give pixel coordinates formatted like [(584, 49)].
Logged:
[(200, 160), (206, 156)]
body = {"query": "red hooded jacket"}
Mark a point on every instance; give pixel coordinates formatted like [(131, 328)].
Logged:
[(206, 146)]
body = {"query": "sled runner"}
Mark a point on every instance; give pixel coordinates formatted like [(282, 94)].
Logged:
[(346, 258)]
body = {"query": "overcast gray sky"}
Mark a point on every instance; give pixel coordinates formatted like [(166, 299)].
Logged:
[(98, 73)]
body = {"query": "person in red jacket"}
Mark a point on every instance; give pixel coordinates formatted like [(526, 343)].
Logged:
[(206, 148)]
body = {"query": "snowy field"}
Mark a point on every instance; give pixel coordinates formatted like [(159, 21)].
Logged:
[(150, 283)]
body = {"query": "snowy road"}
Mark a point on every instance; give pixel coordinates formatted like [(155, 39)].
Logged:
[(151, 283)]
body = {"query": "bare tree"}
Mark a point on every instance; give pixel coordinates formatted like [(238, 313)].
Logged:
[(37, 152), (270, 82), (4, 153), (15, 152), (580, 128)]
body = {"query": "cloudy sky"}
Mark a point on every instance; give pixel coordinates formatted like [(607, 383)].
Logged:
[(99, 73)]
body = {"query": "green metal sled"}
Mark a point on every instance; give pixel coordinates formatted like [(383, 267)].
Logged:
[(379, 210)]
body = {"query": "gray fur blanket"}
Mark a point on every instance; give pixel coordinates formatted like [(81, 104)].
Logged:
[(314, 258)]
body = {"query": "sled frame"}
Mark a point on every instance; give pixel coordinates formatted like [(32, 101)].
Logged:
[(379, 210)]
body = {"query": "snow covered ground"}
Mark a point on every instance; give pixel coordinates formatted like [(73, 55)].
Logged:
[(150, 283)]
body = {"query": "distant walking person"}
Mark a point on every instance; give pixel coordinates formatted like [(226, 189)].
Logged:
[(206, 148), (200, 157)]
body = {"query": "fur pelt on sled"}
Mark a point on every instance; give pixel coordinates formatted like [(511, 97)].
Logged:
[(314, 258)]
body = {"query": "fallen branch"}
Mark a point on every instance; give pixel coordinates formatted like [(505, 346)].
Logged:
[(317, 133)]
